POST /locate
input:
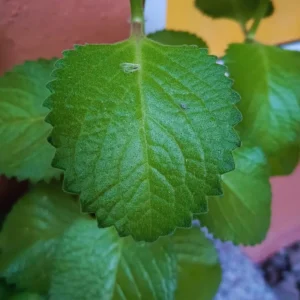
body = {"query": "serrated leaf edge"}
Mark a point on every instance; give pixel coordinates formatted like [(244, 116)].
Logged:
[(180, 31), (19, 178)]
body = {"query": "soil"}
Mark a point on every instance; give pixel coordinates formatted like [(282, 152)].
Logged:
[(282, 272)]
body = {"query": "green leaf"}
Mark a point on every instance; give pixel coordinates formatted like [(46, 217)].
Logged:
[(242, 215), (285, 161), (267, 79), (199, 271), (149, 131), (30, 234), (24, 151), (45, 239), (94, 263), (239, 10), (171, 37)]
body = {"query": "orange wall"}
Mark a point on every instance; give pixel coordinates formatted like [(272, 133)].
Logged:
[(30, 29), (283, 26)]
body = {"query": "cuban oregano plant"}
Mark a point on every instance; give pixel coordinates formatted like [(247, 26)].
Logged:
[(144, 134)]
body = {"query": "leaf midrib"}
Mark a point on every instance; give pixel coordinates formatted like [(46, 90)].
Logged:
[(138, 57)]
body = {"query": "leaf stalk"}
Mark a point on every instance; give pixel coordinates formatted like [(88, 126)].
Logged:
[(263, 6), (137, 17)]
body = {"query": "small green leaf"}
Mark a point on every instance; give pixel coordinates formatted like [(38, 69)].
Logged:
[(267, 79), (285, 161), (242, 215), (29, 236), (199, 271), (149, 131), (239, 10), (171, 37), (93, 263), (24, 151)]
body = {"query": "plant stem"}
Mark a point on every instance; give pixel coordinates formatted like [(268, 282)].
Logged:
[(263, 6), (244, 29), (137, 17)]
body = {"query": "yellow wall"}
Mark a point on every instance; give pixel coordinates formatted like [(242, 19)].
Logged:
[(283, 26)]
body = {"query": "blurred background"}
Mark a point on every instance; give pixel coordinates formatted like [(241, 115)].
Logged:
[(283, 27)]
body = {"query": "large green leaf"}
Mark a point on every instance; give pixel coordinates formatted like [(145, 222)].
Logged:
[(268, 80), (172, 37), (242, 215), (239, 10), (30, 234), (24, 151), (148, 131), (94, 263)]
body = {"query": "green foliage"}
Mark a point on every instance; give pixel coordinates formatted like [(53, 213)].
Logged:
[(267, 79), (29, 236), (58, 247), (97, 264), (239, 10), (24, 151), (172, 37), (144, 133), (149, 132), (242, 215), (199, 273)]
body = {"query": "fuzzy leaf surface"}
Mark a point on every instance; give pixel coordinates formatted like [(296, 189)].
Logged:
[(148, 132), (25, 152), (29, 236), (93, 263), (267, 79), (239, 10), (172, 37), (242, 215)]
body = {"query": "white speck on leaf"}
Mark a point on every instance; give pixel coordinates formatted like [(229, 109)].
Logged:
[(130, 67)]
